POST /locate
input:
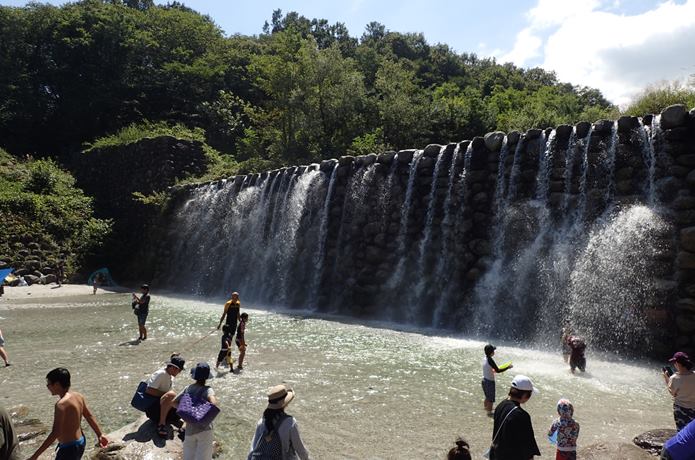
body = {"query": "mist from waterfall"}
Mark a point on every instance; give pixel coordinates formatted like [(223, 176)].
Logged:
[(508, 243)]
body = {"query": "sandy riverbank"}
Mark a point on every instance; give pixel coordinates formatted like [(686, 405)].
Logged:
[(29, 294)]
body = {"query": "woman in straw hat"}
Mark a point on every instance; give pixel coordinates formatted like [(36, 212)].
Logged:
[(277, 434)]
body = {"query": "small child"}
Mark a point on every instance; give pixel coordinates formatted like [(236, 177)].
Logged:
[(567, 431), (240, 341), (225, 346), (488, 383), (461, 451)]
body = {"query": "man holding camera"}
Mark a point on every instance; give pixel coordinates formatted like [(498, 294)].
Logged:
[(141, 308)]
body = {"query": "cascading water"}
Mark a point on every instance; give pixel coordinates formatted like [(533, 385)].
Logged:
[(396, 277), (617, 254), (320, 256), (478, 235), (422, 277), (443, 266)]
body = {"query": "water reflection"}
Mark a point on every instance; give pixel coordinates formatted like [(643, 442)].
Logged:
[(363, 391)]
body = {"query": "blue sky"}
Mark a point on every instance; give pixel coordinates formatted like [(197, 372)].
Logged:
[(619, 46)]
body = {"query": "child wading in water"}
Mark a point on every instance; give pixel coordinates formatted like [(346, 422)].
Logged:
[(567, 431), (489, 370), (240, 340), (225, 346)]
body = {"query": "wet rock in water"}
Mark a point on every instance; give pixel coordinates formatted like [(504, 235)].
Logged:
[(653, 440), (138, 441), (613, 451), (30, 431)]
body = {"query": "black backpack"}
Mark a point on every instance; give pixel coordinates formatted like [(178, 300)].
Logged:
[(270, 446)]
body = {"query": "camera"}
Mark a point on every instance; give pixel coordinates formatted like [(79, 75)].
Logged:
[(668, 370)]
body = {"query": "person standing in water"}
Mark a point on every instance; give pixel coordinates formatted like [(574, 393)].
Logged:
[(240, 338), (225, 347), (69, 410), (3, 353), (512, 435), (277, 433), (564, 341), (231, 312), (141, 306), (577, 358), (488, 383)]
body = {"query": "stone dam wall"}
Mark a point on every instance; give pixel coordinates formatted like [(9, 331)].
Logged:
[(506, 235)]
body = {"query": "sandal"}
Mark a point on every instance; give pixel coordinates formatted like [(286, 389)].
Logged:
[(162, 431)]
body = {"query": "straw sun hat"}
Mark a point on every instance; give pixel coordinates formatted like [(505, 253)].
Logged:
[(279, 396)]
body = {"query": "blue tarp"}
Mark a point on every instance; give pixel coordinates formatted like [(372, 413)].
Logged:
[(3, 273), (106, 279)]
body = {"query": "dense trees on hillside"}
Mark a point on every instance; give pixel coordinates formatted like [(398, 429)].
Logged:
[(302, 90)]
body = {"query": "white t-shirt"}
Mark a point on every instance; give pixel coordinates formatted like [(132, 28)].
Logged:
[(160, 380), (683, 385), (488, 372)]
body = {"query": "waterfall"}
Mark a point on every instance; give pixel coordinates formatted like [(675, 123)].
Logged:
[(617, 254), (649, 155), (425, 242), (320, 254), (443, 263), (398, 274), (526, 230)]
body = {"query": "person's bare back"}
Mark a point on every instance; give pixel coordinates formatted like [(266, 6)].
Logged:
[(69, 410)]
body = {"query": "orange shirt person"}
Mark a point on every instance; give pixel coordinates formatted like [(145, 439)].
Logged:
[(67, 418), (231, 312)]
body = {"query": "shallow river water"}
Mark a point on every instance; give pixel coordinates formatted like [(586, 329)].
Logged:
[(362, 391)]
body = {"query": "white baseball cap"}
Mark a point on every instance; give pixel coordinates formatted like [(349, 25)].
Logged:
[(521, 382)]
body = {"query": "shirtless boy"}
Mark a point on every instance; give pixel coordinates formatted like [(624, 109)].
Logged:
[(69, 410)]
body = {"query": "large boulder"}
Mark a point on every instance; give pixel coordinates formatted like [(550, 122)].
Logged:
[(493, 141), (653, 440), (613, 451), (138, 441), (688, 239), (674, 116)]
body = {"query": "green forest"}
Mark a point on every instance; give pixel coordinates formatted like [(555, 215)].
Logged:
[(100, 73), (300, 91)]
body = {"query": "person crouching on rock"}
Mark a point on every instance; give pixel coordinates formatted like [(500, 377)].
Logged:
[(159, 385)]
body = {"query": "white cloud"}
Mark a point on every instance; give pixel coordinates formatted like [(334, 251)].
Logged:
[(620, 54), (526, 47)]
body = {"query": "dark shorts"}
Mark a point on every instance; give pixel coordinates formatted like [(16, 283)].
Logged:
[(682, 416), (489, 390), (172, 418), (221, 355), (578, 363), (142, 319), (72, 452)]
